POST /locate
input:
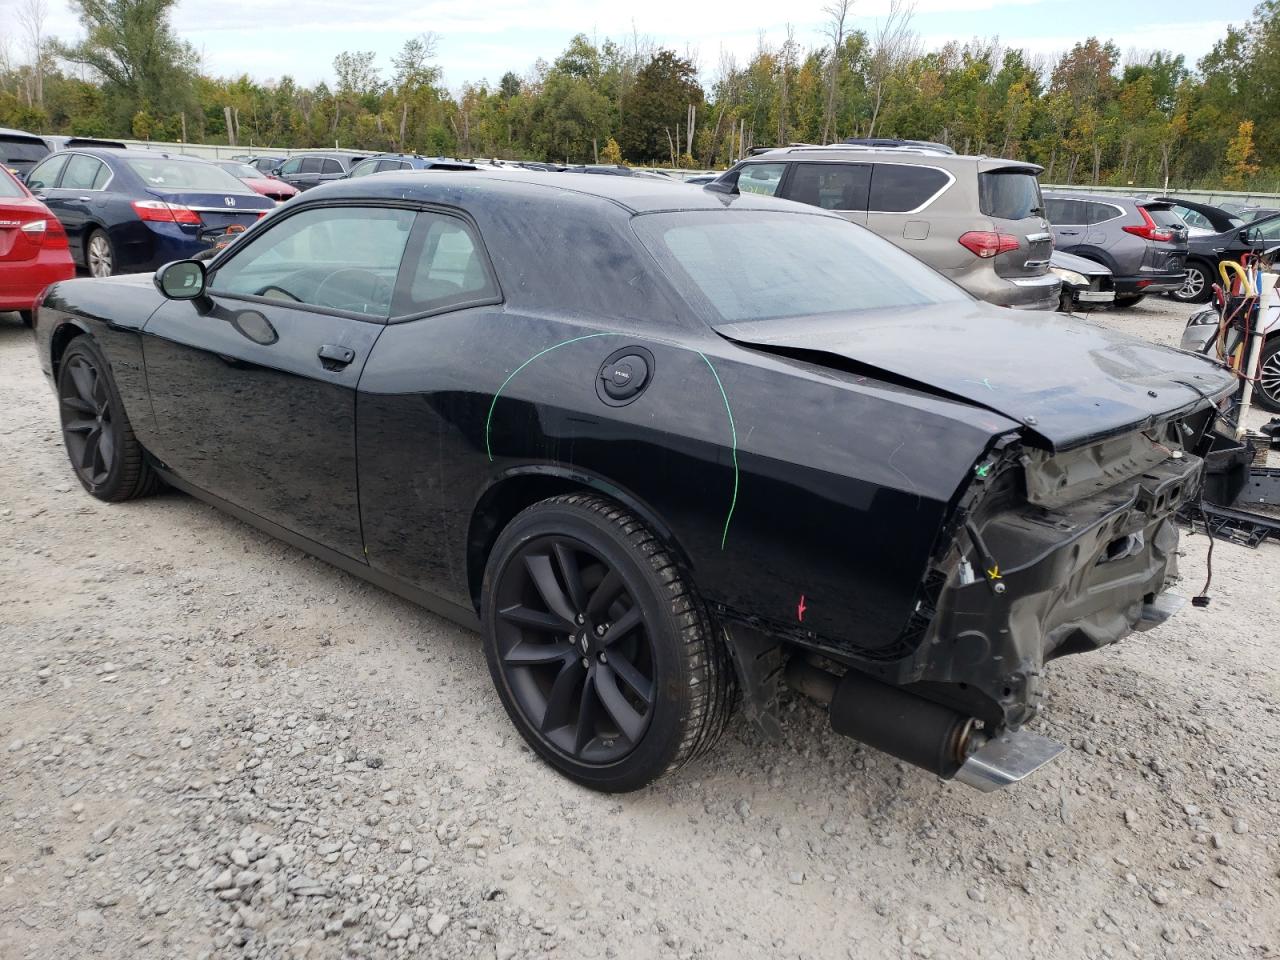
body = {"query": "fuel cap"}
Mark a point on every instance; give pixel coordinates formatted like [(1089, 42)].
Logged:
[(624, 374)]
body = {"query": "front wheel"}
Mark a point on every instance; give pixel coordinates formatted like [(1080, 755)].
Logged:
[(602, 653), (1267, 390), (107, 458), (1125, 302), (1197, 286)]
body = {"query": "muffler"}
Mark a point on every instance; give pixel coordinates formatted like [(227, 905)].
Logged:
[(923, 733)]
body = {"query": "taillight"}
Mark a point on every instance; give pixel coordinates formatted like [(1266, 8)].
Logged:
[(985, 244), (160, 212), (1149, 230), (46, 233)]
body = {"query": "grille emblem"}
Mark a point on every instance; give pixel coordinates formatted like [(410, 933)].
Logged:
[(229, 201)]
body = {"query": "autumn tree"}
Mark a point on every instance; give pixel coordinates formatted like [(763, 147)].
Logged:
[(1240, 159)]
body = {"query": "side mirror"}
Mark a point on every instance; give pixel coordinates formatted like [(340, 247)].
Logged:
[(181, 280), (1248, 235)]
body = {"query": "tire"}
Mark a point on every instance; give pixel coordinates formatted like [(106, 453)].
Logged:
[(1266, 392), (106, 457), (1198, 286), (560, 573), (99, 255), (1125, 302)]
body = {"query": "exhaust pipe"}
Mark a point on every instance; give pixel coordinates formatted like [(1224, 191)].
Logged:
[(911, 728), (923, 733)]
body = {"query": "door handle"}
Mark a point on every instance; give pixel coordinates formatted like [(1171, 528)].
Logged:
[(1070, 233), (334, 357), (85, 199)]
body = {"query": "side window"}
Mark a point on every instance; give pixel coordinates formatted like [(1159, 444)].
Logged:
[(390, 165), (104, 174), (81, 172), (331, 166), (1063, 212), (291, 166), (1101, 212), (761, 178), (445, 268), (339, 258), (899, 188), (364, 168), (45, 176), (1269, 231), (310, 165), (832, 186)]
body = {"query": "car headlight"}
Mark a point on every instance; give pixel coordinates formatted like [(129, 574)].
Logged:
[(1203, 318), (1070, 276)]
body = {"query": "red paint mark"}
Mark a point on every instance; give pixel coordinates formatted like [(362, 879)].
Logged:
[(801, 608)]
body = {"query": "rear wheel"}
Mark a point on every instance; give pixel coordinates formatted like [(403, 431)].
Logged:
[(603, 656), (1267, 390), (99, 256), (1197, 286), (107, 458), (1127, 301)]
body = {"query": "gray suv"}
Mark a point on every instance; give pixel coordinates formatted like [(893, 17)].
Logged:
[(1142, 242), (978, 220)]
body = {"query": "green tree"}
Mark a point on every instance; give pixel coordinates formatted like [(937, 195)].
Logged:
[(655, 104)]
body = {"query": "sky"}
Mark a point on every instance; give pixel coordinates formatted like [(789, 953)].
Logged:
[(482, 39)]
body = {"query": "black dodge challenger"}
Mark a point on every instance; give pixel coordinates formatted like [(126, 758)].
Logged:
[(668, 449)]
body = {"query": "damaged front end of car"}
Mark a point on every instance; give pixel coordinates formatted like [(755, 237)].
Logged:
[(1045, 554)]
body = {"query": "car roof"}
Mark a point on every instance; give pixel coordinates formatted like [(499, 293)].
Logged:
[(635, 194), (912, 154), (109, 153), (10, 132)]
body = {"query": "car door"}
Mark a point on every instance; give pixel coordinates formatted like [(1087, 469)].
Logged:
[(253, 385), (840, 187), (76, 195), (292, 174), (1068, 221)]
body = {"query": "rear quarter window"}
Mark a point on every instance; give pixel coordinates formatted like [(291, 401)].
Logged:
[(1165, 217), (899, 188), (1009, 195)]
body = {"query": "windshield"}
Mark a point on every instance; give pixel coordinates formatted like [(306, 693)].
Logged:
[(166, 173), (759, 265), (242, 171)]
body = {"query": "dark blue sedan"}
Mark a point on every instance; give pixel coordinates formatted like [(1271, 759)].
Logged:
[(127, 211)]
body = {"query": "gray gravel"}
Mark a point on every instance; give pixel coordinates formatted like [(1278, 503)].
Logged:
[(214, 746)]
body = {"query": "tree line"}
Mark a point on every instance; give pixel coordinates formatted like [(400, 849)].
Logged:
[(1090, 116)]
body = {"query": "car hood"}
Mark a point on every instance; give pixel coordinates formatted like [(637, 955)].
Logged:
[(1069, 382)]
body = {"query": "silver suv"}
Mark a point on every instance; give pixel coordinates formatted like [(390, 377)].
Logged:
[(978, 220)]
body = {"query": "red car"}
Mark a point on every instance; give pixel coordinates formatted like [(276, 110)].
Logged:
[(271, 187), (33, 248)]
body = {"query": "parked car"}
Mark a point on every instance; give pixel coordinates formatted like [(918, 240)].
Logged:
[(1085, 284), (616, 459), (307, 170), (393, 162), (978, 220), (1142, 242), (266, 165), (1214, 235), (130, 210), (33, 248), (57, 143), (1201, 335), (1248, 211), (258, 182), (20, 151)]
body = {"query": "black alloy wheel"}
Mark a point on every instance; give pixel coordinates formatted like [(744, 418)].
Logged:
[(107, 458), (602, 656)]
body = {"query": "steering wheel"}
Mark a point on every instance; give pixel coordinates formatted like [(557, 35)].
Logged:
[(271, 288), (375, 287)]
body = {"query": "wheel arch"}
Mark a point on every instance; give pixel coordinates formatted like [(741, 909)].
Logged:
[(521, 487), (62, 336)]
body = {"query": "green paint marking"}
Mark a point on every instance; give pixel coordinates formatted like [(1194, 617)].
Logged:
[(564, 343), (983, 469), (733, 430)]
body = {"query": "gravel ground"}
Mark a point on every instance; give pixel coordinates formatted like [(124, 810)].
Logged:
[(214, 746)]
